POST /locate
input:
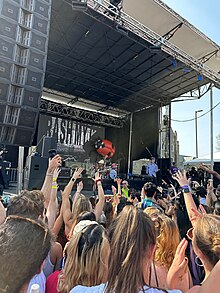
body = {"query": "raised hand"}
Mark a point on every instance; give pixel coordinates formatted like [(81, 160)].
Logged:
[(79, 187), (197, 214), (179, 267), (204, 167), (54, 163), (114, 190), (171, 211), (210, 186), (118, 180), (56, 173), (196, 184), (181, 178), (77, 173), (97, 177)]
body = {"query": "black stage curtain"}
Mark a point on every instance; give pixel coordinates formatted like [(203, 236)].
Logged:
[(145, 136)]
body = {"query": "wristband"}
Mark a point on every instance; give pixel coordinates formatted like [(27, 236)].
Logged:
[(98, 180), (186, 189), (54, 186), (73, 179), (54, 179)]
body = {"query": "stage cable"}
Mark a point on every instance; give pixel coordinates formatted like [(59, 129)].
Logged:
[(193, 119)]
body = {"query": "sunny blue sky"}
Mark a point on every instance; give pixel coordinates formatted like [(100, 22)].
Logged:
[(205, 15)]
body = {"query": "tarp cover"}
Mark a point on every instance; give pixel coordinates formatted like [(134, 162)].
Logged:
[(160, 18)]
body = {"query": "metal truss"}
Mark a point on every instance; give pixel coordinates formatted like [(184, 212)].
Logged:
[(65, 111), (99, 107), (126, 22)]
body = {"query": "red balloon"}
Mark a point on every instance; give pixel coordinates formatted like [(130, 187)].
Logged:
[(105, 148)]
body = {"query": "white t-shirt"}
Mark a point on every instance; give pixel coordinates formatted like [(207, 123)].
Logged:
[(100, 289), (39, 279)]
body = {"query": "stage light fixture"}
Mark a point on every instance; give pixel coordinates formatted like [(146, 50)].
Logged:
[(200, 77), (174, 62), (186, 70), (155, 49), (122, 29)]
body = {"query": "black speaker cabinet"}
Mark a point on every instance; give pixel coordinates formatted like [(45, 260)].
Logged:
[(48, 143), (37, 172), (164, 165), (24, 34)]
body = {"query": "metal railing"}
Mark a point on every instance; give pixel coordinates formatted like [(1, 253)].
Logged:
[(13, 174)]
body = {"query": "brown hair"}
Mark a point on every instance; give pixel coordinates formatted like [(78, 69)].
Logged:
[(166, 248), (24, 206), (87, 259), (38, 196), (24, 242), (206, 236), (109, 213), (133, 238), (81, 204)]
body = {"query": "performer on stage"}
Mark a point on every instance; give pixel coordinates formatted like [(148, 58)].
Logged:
[(152, 169), (113, 172)]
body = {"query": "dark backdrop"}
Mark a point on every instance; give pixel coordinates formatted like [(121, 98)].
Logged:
[(120, 138), (74, 138), (145, 134)]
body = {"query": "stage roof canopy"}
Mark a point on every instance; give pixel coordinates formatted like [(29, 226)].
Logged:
[(95, 58), (160, 18)]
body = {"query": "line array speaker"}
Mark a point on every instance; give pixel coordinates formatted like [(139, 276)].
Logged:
[(24, 34)]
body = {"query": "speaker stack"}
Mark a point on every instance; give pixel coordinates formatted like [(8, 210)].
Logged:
[(24, 34), (37, 164)]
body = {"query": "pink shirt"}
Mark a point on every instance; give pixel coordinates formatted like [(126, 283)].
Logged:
[(52, 282)]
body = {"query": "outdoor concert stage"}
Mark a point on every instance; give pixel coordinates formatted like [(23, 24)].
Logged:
[(102, 74), (116, 66)]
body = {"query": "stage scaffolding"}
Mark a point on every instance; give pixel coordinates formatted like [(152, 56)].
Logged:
[(126, 23)]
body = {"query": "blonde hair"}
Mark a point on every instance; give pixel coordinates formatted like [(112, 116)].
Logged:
[(87, 259), (153, 211), (82, 204), (168, 239), (133, 238), (206, 236)]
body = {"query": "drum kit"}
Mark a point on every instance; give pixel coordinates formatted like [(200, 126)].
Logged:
[(106, 169)]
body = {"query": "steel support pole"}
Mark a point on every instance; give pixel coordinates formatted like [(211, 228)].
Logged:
[(20, 169), (196, 133), (170, 135), (211, 128), (130, 145)]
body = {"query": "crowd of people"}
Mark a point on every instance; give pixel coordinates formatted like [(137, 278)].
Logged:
[(160, 239)]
